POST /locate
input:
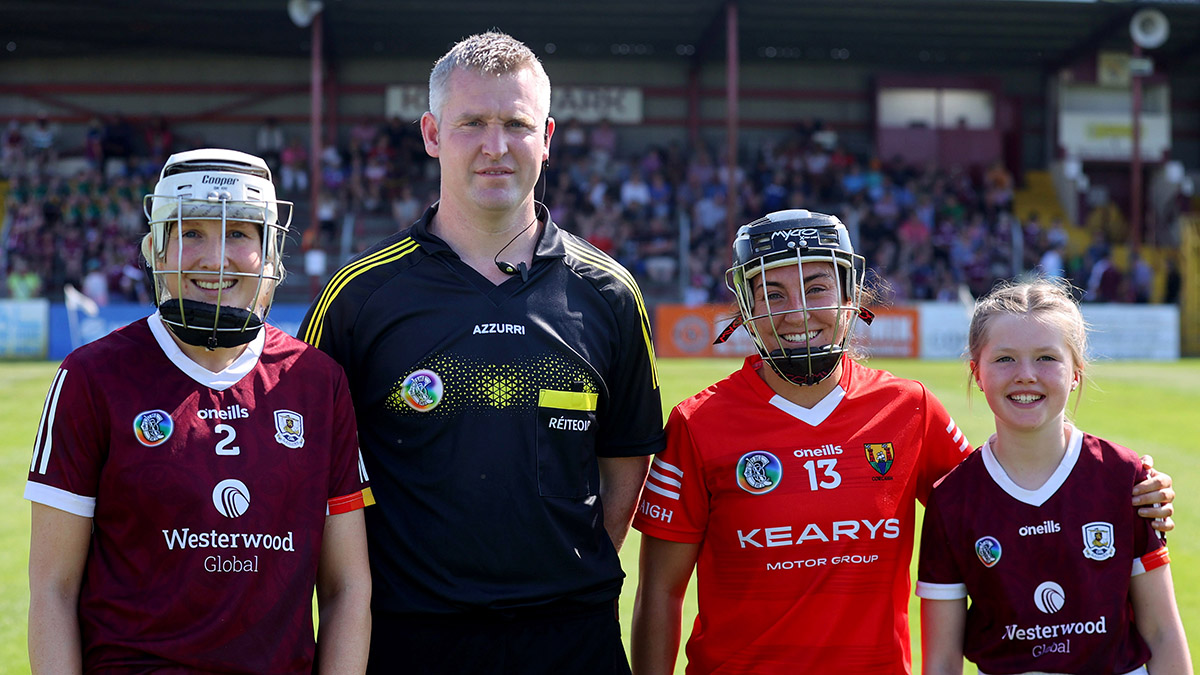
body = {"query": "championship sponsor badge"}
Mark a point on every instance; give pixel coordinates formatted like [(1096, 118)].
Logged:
[(153, 427), (1098, 541), (880, 456), (988, 550), (289, 428), (422, 390), (231, 497), (759, 472)]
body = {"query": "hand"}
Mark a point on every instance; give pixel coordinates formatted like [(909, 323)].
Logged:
[(1154, 495)]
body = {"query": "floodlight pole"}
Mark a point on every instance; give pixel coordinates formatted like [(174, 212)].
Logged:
[(731, 117), (315, 144), (1135, 162)]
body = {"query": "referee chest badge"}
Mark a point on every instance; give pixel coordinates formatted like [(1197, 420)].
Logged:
[(289, 428), (422, 390)]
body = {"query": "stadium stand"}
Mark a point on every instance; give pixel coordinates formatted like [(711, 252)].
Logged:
[(659, 210)]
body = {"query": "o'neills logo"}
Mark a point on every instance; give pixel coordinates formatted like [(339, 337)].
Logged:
[(236, 412), (823, 451), (218, 180), (1047, 527)]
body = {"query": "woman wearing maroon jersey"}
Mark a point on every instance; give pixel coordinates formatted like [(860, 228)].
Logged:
[(1041, 490), (196, 473), (791, 486)]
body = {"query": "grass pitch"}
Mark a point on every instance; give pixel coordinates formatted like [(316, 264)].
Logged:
[(1150, 407)]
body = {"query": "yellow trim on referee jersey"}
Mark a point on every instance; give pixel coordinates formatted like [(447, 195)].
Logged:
[(604, 262), (347, 274), (567, 400)]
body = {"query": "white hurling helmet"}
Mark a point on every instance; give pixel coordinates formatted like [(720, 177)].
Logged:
[(219, 185)]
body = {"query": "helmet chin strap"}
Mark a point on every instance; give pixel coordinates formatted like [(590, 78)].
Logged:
[(802, 367), (202, 324)]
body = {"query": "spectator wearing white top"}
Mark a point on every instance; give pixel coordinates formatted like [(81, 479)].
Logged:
[(42, 137), (95, 283), (1051, 263), (635, 195)]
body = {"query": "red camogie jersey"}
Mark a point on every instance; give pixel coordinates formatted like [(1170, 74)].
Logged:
[(208, 494), (804, 518), (1047, 570)]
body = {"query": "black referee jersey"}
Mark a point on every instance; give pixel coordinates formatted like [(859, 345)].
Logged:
[(481, 412)]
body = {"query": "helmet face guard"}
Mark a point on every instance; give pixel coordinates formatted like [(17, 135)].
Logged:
[(799, 239), (222, 186)]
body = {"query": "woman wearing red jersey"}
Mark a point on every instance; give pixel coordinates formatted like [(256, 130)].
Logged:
[(791, 486)]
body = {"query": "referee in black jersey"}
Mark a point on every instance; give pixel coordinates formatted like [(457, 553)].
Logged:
[(507, 401)]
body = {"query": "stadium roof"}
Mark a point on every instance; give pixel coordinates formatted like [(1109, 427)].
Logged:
[(965, 35)]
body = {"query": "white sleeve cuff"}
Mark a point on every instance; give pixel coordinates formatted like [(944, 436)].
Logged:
[(941, 591), (60, 499)]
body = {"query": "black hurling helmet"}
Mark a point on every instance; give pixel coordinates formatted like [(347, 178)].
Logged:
[(796, 237), (226, 186)]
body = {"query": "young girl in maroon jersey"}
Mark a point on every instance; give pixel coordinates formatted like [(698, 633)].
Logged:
[(1062, 577)]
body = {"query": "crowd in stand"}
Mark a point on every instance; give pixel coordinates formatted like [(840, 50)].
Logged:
[(83, 229), (929, 232)]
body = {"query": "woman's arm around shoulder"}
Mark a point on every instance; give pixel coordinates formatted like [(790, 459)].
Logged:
[(1155, 496)]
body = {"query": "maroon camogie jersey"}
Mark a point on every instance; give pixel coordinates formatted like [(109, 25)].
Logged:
[(1047, 570), (208, 494), (804, 518)]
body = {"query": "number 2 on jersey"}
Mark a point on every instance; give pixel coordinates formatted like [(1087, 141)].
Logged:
[(223, 446)]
